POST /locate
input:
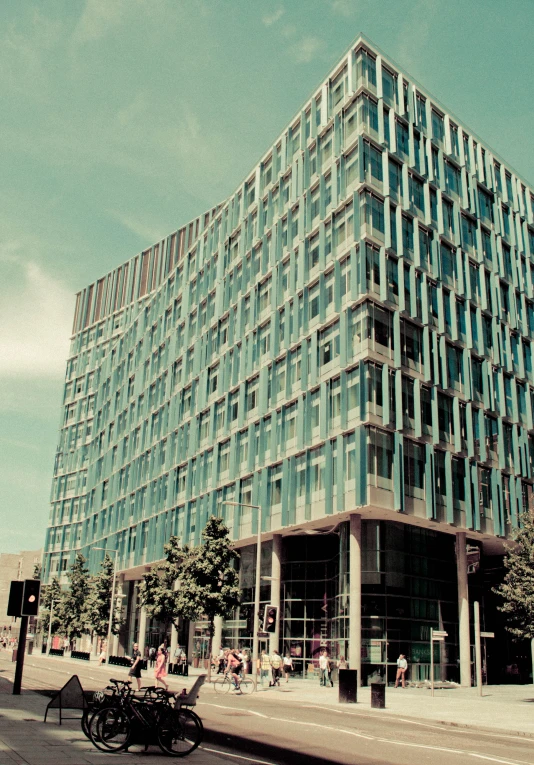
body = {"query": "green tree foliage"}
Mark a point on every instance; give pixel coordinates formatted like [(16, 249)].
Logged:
[(517, 588), (99, 601), (51, 594), (73, 612), (157, 591), (209, 583), (36, 571)]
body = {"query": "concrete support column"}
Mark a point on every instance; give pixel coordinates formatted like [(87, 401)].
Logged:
[(463, 610), (355, 595), (142, 631), (217, 636), (276, 573)]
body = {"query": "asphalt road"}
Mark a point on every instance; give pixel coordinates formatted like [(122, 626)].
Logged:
[(271, 729)]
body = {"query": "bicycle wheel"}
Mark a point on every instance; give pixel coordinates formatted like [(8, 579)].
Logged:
[(247, 686), (86, 714), (221, 685), (110, 729), (179, 732)]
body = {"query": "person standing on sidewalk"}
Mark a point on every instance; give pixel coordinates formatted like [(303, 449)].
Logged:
[(402, 666), (324, 668)]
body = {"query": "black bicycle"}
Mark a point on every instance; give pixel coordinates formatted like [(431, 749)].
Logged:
[(101, 699), (156, 718)]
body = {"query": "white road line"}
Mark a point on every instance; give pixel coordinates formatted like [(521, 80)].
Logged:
[(237, 756), (248, 711), (382, 740), (445, 727)]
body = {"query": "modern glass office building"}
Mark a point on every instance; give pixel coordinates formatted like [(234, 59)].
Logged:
[(346, 342)]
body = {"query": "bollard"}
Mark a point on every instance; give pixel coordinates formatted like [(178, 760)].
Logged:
[(348, 686), (378, 695)]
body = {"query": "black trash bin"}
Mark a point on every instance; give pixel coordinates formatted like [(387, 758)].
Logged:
[(348, 686), (378, 695)]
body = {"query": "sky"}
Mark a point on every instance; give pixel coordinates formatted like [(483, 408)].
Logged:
[(121, 120)]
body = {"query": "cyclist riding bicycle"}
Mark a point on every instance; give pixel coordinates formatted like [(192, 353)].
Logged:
[(234, 667)]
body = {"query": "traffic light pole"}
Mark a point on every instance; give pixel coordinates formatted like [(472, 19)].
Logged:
[(21, 650)]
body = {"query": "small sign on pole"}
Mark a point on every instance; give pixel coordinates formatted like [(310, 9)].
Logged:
[(435, 636)]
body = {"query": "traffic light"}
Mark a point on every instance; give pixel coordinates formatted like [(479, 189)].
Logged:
[(30, 597), (269, 619), (14, 603)]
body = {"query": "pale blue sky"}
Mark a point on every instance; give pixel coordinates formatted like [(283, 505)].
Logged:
[(123, 119)]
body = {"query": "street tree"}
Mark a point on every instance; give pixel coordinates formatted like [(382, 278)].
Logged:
[(157, 590), (73, 611), (51, 596), (517, 588), (209, 584), (99, 601)]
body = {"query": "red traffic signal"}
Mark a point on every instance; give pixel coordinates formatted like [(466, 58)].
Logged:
[(30, 597), (269, 619)]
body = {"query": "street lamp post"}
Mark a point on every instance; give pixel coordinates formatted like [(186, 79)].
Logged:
[(256, 589), (49, 640), (108, 645)]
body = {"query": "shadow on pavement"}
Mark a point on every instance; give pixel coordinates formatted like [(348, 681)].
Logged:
[(274, 753)]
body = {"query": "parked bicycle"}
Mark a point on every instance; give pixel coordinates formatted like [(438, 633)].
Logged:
[(156, 717)]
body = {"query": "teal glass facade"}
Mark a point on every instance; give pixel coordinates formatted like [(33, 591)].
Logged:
[(352, 328)]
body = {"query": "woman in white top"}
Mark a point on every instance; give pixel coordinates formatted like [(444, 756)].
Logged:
[(288, 666)]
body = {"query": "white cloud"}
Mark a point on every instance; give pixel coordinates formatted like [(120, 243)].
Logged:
[(418, 26), (35, 319), (271, 18), (148, 233), (98, 18), (306, 49)]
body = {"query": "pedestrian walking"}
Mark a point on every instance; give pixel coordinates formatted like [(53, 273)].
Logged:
[(160, 673), (152, 656), (135, 669), (342, 663), (288, 666), (276, 667), (102, 657), (264, 663), (402, 666)]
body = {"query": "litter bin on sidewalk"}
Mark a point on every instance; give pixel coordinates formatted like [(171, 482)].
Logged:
[(378, 695), (348, 686)]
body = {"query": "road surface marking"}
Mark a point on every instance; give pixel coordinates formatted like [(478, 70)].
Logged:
[(238, 756), (445, 727)]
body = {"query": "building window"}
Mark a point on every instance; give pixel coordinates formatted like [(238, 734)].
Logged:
[(380, 459)]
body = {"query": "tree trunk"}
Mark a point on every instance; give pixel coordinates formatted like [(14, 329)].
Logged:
[(211, 630)]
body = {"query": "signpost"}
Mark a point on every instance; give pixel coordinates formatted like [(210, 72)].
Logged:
[(478, 647), (435, 636)]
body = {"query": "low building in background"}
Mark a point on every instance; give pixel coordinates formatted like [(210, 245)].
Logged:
[(346, 341)]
